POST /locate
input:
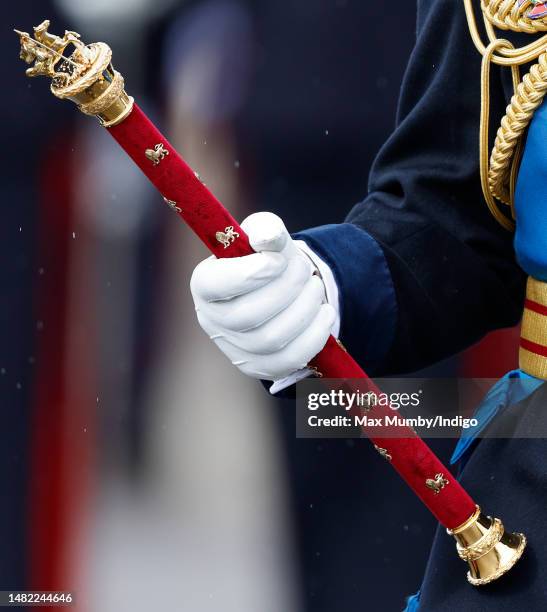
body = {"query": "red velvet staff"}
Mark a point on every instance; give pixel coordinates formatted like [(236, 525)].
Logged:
[(88, 79), (199, 208)]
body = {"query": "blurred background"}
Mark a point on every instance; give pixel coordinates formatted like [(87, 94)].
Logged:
[(137, 468)]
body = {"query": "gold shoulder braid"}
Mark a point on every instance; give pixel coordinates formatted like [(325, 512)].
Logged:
[(498, 174)]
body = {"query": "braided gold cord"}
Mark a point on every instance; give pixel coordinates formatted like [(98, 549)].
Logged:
[(528, 97), (499, 171), (503, 161)]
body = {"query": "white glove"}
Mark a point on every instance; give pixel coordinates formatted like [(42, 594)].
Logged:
[(267, 312)]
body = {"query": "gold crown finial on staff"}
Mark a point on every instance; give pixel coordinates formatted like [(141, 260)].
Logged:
[(86, 77), (46, 50)]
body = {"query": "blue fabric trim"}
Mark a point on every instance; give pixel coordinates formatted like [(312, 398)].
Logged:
[(531, 227), (368, 306), (413, 603), (511, 389)]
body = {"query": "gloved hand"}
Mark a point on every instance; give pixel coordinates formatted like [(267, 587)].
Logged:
[(531, 200), (266, 312)]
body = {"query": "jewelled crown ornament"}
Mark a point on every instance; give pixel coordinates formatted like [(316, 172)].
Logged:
[(86, 76), (537, 10), (499, 170)]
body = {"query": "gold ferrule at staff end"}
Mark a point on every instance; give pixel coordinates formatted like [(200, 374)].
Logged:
[(487, 548), (86, 76)]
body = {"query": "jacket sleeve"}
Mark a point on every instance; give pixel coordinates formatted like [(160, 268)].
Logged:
[(423, 269)]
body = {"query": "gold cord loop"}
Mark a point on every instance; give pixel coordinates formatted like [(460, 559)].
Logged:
[(498, 173)]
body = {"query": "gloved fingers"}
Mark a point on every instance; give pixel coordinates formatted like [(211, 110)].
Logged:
[(245, 362), (290, 323), (296, 355), (276, 333), (299, 352), (252, 309), (223, 279)]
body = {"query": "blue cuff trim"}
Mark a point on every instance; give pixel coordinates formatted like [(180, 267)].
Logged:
[(413, 603), (368, 306), (511, 389)]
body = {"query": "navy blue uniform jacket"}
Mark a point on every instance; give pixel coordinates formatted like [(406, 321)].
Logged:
[(423, 269)]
